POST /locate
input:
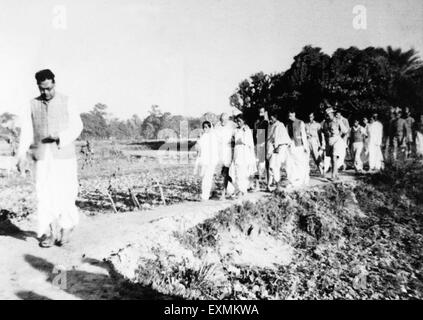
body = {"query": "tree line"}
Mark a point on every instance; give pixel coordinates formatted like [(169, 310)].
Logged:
[(358, 82)]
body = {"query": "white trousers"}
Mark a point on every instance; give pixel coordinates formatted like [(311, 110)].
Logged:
[(56, 185), (276, 161), (298, 166)]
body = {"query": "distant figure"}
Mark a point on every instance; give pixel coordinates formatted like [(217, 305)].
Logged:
[(261, 128), (207, 159), (409, 132), (225, 131), (333, 143), (419, 137), (375, 136), (313, 129), (297, 163), (398, 135), (345, 136), (244, 162), (389, 132), (278, 141), (51, 126), (357, 136), (365, 153)]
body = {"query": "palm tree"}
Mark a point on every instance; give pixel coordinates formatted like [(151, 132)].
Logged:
[(404, 63), (406, 69)]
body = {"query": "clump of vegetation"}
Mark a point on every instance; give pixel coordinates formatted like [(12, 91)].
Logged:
[(358, 240)]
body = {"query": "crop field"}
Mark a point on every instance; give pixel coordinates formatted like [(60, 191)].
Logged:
[(118, 177)]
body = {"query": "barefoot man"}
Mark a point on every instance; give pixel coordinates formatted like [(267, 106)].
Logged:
[(333, 143), (50, 126)]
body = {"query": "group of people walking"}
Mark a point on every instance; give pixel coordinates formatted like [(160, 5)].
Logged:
[(247, 156), (51, 125)]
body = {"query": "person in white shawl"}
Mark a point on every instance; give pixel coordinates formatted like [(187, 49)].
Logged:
[(225, 130), (244, 162), (50, 126), (375, 136), (207, 159), (297, 163), (277, 149)]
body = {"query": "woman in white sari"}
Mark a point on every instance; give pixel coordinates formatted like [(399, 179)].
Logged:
[(207, 159), (244, 163)]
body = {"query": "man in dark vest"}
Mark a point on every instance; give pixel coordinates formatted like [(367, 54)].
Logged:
[(49, 129), (398, 135), (261, 130)]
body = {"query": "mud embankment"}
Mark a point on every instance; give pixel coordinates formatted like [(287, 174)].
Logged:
[(357, 240)]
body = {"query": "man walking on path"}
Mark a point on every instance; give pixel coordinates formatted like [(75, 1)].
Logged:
[(261, 128), (345, 136), (388, 132), (357, 136), (297, 163), (409, 129), (333, 144), (277, 149), (313, 129), (375, 134), (50, 127), (224, 132), (398, 135)]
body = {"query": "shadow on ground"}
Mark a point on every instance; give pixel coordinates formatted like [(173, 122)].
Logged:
[(89, 286), (9, 229)]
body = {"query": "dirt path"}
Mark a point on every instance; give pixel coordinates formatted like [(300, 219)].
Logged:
[(77, 271)]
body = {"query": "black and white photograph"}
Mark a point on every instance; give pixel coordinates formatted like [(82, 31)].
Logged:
[(219, 150)]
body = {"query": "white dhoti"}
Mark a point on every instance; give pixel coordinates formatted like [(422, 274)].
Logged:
[(357, 150), (419, 143), (298, 166), (375, 157), (207, 174), (276, 161), (56, 185), (342, 153), (261, 159)]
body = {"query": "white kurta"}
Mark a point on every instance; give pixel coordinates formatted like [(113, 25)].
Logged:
[(206, 162), (244, 164), (56, 182), (224, 135), (375, 131), (277, 150)]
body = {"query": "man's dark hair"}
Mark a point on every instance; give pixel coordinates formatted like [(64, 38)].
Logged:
[(241, 117), (43, 75), (206, 123), (292, 110), (273, 113)]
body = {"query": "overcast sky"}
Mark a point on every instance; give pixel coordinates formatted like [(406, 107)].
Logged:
[(187, 56)]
